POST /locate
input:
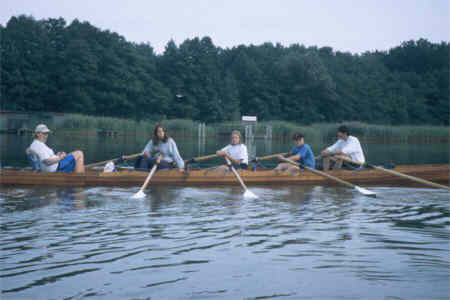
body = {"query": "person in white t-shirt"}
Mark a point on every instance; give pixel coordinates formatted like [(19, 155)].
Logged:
[(346, 146), (236, 152), (51, 162)]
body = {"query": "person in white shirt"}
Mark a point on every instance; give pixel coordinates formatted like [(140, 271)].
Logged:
[(236, 152), (346, 146), (51, 162)]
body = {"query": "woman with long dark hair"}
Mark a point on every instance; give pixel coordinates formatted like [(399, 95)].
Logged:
[(161, 149)]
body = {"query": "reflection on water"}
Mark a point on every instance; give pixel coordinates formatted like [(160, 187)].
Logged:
[(293, 242), (66, 199), (102, 148)]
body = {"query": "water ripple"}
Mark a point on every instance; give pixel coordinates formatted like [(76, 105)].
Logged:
[(194, 243)]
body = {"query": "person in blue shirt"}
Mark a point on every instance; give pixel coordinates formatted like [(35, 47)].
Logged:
[(301, 152)]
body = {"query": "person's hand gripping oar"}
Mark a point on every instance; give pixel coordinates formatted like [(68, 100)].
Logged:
[(141, 193), (247, 193)]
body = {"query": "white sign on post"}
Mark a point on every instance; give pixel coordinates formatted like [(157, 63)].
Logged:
[(249, 118)]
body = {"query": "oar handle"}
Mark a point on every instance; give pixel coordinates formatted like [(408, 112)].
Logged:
[(268, 157), (395, 173), (201, 158), (114, 160)]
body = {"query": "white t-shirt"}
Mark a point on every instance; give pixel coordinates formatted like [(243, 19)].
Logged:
[(44, 152), (238, 152), (350, 147)]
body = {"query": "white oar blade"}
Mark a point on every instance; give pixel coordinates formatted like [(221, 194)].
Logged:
[(249, 194), (138, 195), (365, 192)]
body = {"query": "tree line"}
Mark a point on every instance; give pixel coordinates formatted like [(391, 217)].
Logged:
[(49, 65)]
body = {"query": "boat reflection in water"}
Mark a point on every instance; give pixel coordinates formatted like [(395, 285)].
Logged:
[(69, 199)]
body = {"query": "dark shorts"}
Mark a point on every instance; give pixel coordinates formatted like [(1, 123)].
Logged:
[(67, 164), (143, 163), (345, 166)]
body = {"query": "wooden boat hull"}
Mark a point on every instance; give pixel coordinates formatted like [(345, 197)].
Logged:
[(435, 173)]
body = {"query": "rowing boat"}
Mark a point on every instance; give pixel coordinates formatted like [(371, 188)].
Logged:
[(436, 173)]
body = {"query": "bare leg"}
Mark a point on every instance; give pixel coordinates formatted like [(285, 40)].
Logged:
[(79, 161), (222, 168), (283, 166), (338, 161), (287, 167), (337, 164)]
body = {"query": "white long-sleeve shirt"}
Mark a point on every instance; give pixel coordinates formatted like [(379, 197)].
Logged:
[(350, 147)]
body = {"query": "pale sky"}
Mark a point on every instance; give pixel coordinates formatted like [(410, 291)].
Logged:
[(344, 25)]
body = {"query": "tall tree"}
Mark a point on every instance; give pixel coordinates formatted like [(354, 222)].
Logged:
[(48, 65)]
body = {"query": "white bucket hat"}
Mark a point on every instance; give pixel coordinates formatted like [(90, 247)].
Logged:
[(42, 128)]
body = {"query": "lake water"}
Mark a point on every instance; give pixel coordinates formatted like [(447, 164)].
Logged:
[(12, 149), (293, 242)]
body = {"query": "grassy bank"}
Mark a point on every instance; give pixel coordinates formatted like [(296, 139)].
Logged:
[(71, 123), (327, 131), (82, 124)]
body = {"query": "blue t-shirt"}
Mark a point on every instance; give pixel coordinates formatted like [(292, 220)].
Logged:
[(307, 156)]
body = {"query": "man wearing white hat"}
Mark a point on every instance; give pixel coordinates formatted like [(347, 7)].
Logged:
[(51, 162)]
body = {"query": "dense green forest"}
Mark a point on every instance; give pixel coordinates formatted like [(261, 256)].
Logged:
[(49, 65)]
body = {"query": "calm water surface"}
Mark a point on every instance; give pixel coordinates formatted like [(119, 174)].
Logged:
[(293, 242), (12, 149)]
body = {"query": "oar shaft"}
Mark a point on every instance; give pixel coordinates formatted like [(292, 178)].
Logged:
[(238, 177), (416, 179), (147, 180), (272, 156), (343, 182), (395, 173), (98, 163), (236, 173), (201, 158), (114, 160)]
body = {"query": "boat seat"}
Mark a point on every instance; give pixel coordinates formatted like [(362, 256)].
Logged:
[(34, 160)]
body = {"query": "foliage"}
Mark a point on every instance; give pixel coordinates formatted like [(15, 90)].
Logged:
[(49, 65)]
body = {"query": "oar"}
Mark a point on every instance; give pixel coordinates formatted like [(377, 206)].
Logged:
[(141, 193), (247, 193), (363, 191), (268, 157), (200, 158), (392, 172), (114, 160)]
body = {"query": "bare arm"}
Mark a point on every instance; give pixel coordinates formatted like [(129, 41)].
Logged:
[(54, 160), (225, 154), (295, 157)]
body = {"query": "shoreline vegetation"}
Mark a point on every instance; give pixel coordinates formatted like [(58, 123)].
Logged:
[(52, 65), (78, 124)]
